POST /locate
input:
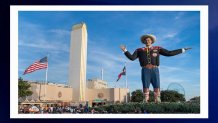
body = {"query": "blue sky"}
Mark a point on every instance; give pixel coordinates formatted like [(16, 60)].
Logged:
[(44, 32)]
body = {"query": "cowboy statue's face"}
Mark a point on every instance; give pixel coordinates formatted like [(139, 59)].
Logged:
[(148, 41)]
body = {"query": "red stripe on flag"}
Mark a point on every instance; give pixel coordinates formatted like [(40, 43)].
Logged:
[(122, 73), (36, 66)]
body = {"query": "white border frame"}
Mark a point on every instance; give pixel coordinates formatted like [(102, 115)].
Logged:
[(14, 9)]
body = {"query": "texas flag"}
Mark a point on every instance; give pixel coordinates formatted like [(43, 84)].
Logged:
[(122, 73)]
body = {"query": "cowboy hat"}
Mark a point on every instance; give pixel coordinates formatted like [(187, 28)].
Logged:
[(153, 38)]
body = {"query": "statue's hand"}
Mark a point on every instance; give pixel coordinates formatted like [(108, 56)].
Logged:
[(122, 47), (188, 48)]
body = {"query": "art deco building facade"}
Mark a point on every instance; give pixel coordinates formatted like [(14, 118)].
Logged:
[(59, 93), (96, 83)]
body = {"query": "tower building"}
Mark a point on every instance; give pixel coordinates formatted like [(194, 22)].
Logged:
[(78, 61)]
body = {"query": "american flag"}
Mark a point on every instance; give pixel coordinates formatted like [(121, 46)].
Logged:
[(40, 64), (122, 73)]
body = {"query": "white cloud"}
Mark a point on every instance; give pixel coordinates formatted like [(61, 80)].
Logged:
[(33, 36), (170, 69), (179, 15), (169, 35), (45, 45), (60, 32)]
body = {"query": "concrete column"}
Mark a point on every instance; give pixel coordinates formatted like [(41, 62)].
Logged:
[(78, 61)]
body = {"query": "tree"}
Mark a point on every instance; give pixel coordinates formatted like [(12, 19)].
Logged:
[(137, 96), (166, 96), (23, 88), (128, 97), (195, 99), (171, 96)]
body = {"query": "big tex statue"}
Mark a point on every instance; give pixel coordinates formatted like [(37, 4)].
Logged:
[(149, 61)]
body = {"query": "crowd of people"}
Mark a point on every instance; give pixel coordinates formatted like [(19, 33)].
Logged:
[(55, 109), (80, 109)]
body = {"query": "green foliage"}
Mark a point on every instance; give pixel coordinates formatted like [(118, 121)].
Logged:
[(137, 96), (166, 96), (195, 100), (171, 96), (161, 108), (23, 88), (151, 96), (128, 97)]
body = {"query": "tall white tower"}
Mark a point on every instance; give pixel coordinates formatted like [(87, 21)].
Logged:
[(78, 60)]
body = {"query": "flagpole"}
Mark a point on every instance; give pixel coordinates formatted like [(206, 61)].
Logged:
[(46, 78), (126, 84)]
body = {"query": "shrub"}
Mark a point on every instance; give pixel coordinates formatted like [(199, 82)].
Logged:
[(134, 107)]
